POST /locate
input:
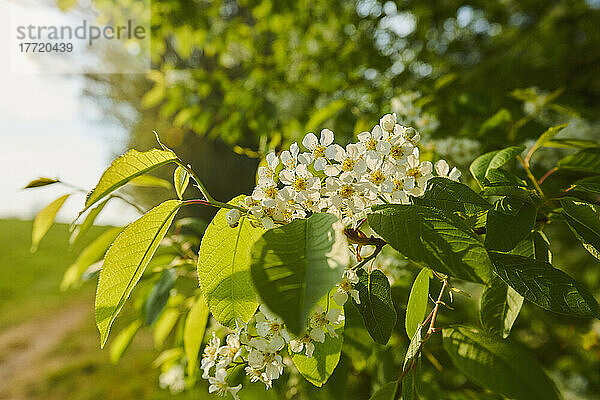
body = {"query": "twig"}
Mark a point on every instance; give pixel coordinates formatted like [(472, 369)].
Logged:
[(531, 177), (547, 174), (434, 313), (209, 199)]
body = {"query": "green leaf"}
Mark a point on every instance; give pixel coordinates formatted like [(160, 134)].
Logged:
[(181, 179), (528, 195), (358, 344), (586, 160), (224, 268), (296, 264), (502, 117), (498, 365), (386, 392), (125, 168), (167, 358), (126, 261), (448, 195), (414, 348), (411, 366), (500, 304), (572, 144), (483, 164), (544, 285), (411, 381), (499, 308), (541, 247), (150, 181), (546, 137), (535, 245), (508, 224), (122, 341), (430, 237), (159, 295), (87, 223), (584, 221), (416, 308), (193, 333), (588, 185), (445, 80), (39, 182), (154, 96), (44, 220), (88, 256), (501, 177), (164, 325), (376, 306), (326, 356)]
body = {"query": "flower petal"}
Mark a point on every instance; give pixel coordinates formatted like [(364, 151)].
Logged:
[(340, 297), (454, 174), (442, 168), (310, 141), (326, 137)]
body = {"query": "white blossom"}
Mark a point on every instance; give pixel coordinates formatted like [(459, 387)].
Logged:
[(349, 159), (326, 321), (443, 169), (209, 358), (375, 142), (289, 158), (232, 217), (305, 342), (219, 386), (267, 173), (387, 122), (300, 180), (231, 351), (347, 286), (270, 325), (420, 172), (318, 148)]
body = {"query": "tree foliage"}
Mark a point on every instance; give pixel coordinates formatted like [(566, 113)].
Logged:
[(498, 78)]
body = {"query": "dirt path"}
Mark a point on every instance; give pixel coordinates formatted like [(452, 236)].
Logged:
[(23, 348)]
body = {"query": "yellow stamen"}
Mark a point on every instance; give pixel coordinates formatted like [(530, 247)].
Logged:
[(348, 164), (371, 144), (300, 183), (346, 191), (377, 177), (319, 151)]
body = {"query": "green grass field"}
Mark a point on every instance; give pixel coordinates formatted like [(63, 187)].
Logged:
[(49, 347), (29, 282)]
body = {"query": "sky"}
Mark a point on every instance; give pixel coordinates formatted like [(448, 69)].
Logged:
[(47, 128)]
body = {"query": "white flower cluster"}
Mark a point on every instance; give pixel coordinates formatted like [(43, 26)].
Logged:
[(259, 345), (406, 107), (460, 150), (382, 167)]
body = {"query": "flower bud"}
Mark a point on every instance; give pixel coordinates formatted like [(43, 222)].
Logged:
[(232, 217), (387, 122), (410, 133)]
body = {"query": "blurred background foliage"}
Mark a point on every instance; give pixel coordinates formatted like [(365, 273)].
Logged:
[(234, 79), (255, 75)]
